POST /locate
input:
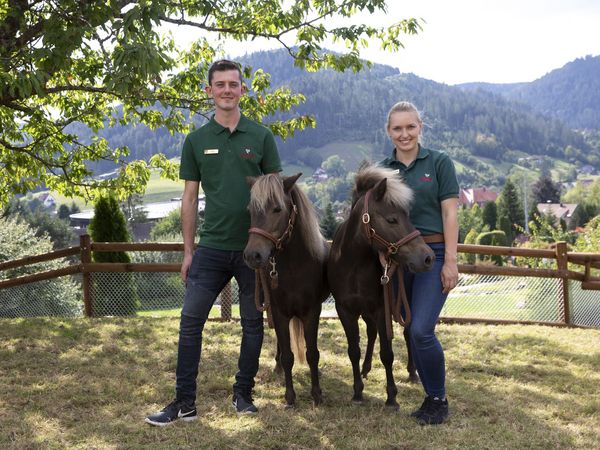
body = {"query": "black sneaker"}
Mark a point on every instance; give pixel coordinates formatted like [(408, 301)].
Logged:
[(243, 403), (177, 409), (435, 412), (423, 407)]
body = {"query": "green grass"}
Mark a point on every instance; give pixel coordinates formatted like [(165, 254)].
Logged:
[(86, 384)]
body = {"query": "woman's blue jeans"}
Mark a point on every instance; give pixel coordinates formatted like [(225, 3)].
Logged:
[(424, 293), (209, 272)]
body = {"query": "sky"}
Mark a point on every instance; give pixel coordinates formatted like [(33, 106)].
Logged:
[(491, 41)]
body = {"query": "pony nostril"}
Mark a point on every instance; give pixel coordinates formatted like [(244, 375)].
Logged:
[(428, 261)]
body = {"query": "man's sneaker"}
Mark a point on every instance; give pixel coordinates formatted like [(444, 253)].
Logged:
[(435, 412), (177, 409), (422, 408), (243, 403)]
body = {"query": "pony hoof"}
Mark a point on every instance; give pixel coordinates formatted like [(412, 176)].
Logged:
[(290, 406), (358, 401), (393, 407)]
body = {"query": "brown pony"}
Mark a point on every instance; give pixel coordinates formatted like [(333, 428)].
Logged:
[(377, 233), (286, 242)]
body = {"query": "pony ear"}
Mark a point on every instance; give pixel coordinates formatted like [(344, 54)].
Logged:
[(379, 189), (288, 182), (251, 180)]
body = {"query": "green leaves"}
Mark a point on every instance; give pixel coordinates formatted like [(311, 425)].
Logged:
[(98, 64)]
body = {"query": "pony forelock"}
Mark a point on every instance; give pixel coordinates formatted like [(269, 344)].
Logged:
[(397, 191)]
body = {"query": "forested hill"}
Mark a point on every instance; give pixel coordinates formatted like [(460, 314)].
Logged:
[(486, 133), (480, 129), (571, 93)]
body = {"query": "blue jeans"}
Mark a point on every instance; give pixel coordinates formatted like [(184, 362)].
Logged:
[(209, 272), (424, 293)]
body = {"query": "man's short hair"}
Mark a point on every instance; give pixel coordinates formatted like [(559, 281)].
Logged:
[(223, 65)]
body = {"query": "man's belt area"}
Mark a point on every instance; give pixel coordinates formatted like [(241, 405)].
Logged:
[(433, 238)]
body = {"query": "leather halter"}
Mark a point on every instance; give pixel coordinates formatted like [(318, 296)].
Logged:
[(281, 240), (260, 273), (392, 247), (389, 267)]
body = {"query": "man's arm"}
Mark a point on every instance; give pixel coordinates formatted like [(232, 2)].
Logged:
[(189, 216)]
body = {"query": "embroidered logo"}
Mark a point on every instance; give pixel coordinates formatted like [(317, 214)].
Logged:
[(247, 154), (425, 177)]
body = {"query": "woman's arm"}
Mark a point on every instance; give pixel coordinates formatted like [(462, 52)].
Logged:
[(450, 220)]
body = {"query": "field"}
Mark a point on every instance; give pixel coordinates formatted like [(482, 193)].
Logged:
[(87, 384)]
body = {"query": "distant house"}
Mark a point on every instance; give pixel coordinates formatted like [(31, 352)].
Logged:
[(562, 211), (587, 169), (47, 200), (479, 196), (320, 175)]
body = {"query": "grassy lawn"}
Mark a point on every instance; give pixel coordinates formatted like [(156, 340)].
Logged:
[(87, 384)]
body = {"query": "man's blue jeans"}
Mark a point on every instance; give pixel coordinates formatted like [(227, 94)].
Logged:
[(209, 272), (426, 299)]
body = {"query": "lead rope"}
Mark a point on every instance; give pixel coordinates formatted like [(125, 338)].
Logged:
[(393, 310), (260, 278)]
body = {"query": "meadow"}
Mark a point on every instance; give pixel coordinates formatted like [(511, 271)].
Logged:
[(88, 384)]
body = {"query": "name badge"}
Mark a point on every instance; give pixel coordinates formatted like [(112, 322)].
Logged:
[(211, 151)]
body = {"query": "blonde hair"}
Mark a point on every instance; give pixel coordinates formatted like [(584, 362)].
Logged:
[(403, 106)]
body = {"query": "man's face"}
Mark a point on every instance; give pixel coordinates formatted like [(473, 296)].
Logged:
[(226, 89)]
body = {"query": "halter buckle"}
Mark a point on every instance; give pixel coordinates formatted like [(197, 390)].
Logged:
[(366, 218)]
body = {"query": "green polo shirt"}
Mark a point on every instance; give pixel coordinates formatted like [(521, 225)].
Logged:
[(433, 179), (221, 161)]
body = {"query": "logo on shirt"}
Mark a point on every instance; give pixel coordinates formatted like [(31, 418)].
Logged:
[(425, 177), (247, 153)]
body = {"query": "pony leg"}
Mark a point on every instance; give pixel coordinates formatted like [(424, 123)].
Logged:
[(278, 369), (311, 328), (387, 358), (371, 336), (282, 330), (413, 377), (350, 324)]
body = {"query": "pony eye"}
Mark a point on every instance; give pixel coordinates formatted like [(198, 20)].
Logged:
[(277, 209), (391, 220)]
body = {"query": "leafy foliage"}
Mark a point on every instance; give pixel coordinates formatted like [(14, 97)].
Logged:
[(55, 297), (101, 64)]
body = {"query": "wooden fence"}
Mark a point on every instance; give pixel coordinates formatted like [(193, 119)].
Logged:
[(86, 267)]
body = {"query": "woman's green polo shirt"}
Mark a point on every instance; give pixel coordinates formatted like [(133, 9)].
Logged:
[(221, 161), (432, 178)]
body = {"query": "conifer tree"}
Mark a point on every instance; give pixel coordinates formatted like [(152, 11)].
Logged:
[(510, 211), (115, 294)]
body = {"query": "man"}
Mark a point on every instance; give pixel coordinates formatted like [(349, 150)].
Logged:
[(220, 155)]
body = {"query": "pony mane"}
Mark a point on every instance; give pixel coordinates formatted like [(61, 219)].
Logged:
[(397, 193), (267, 191)]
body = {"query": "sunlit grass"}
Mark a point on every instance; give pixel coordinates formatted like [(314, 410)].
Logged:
[(88, 383)]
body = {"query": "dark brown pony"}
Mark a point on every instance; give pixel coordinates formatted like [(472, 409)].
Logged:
[(286, 242), (377, 232)]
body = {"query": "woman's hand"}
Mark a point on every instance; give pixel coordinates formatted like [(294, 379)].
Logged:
[(449, 276)]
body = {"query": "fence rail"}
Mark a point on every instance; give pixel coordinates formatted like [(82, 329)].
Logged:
[(485, 293)]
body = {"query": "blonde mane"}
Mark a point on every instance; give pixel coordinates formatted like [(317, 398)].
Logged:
[(397, 193), (267, 192)]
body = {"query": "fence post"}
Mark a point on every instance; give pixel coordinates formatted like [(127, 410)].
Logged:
[(226, 301), (562, 264), (85, 244)]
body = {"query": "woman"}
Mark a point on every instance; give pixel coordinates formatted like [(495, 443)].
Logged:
[(431, 175)]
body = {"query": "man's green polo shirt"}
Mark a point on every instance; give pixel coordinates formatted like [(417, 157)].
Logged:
[(433, 179), (221, 161)]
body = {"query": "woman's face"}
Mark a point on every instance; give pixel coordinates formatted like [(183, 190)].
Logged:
[(404, 130)]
